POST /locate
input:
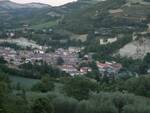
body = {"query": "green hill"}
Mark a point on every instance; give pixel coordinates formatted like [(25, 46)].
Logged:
[(107, 14)]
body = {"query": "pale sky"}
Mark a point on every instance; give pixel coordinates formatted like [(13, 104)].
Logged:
[(50, 2)]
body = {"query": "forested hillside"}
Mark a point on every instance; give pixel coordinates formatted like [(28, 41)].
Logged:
[(88, 56)]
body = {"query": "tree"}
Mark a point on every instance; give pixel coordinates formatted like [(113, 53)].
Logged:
[(139, 86), (44, 85), (4, 89), (60, 61), (145, 64), (3, 92), (18, 86), (79, 87), (63, 104), (42, 105), (136, 109), (16, 104), (147, 58)]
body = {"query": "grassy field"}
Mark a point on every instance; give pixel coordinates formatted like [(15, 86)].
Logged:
[(25, 83), (44, 25)]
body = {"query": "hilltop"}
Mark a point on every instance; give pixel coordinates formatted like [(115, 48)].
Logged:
[(6, 5)]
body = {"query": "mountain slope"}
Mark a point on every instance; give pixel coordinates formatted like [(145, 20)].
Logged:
[(8, 5), (13, 15), (107, 14), (76, 6), (87, 17)]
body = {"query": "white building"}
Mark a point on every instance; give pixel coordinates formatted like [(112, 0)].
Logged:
[(107, 41)]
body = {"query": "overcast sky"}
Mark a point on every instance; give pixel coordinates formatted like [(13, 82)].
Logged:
[(51, 2)]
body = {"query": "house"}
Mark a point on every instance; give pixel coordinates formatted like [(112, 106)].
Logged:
[(74, 49), (116, 67), (106, 41), (85, 70), (10, 34), (109, 67), (39, 51), (70, 69), (102, 67)]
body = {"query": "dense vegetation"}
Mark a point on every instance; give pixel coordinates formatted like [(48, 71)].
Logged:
[(33, 71), (78, 94), (101, 102), (98, 16), (57, 92), (44, 85)]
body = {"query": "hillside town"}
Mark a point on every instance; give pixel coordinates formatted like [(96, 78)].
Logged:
[(66, 60)]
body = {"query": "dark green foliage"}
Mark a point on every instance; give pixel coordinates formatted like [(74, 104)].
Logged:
[(139, 66), (3, 92), (33, 71), (43, 69), (136, 109), (44, 85), (101, 103), (64, 104), (129, 63), (139, 86), (136, 85), (17, 104), (42, 105), (79, 87), (4, 89), (21, 73), (147, 59), (111, 103), (145, 65)]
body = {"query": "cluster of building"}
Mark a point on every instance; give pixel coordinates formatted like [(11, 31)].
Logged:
[(109, 69), (17, 57), (72, 70), (69, 56), (70, 60)]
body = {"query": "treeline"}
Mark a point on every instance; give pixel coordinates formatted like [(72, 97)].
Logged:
[(43, 69), (80, 88), (78, 95), (33, 71), (57, 103)]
